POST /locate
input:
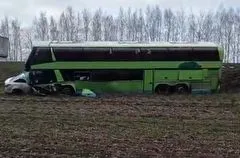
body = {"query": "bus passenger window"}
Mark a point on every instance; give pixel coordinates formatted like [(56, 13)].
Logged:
[(154, 54), (179, 54), (205, 54), (124, 54), (41, 55), (82, 76)]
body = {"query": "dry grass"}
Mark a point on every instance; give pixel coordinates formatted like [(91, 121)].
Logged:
[(136, 126)]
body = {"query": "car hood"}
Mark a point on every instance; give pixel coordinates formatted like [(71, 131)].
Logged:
[(9, 80), (12, 79)]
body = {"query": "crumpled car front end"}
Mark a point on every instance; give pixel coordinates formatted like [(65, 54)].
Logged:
[(8, 86), (17, 84)]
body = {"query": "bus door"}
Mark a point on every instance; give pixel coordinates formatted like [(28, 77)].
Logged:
[(148, 81)]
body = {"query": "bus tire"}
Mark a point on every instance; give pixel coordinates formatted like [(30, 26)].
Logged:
[(181, 89), (162, 89), (68, 90)]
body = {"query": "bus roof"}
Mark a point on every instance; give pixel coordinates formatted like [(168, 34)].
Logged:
[(122, 44)]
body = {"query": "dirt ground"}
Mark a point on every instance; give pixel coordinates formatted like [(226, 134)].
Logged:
[(121, 126)]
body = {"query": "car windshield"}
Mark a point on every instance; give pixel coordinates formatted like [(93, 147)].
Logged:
[(24, 75)]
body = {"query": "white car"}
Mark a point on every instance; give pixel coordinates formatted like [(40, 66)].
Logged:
[(18, 84)]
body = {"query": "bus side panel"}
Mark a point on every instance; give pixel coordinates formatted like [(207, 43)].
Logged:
[(148, 81), (165, 75), (169, 77), (214, 78), (134, 86), (191, 75)]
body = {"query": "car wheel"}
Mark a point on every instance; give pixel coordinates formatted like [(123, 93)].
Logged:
[(17, 92)]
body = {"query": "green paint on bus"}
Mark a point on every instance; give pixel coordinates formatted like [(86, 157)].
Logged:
[(132, 69)]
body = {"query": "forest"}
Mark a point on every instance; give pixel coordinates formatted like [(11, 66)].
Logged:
[(221, 26)]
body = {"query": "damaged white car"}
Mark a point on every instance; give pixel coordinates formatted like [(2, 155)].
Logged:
[(37, 83), (18, 84)]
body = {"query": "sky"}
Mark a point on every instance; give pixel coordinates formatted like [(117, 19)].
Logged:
[(26, 10)]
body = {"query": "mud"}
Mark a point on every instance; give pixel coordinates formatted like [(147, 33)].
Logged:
[(120, 126)]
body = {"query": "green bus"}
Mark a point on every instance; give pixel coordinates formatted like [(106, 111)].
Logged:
[(127, 67)]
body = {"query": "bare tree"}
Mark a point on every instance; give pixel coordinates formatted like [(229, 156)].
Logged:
[(4, 30), (78, 27), (70, 24), (41, 27), (97, 25), (114, 30), (158, 19), (26, 41), (168, 23), (86, 23), (208, 28), (237, 36), (181, 20), (229, 23), (151, 23), (199, 26), (134, 26), (16, 40), (129, 23), (148, 23), (107, 27), (141, 26), (192, 28), (121, 24), (27, 37), (62, 27), (53, 29)]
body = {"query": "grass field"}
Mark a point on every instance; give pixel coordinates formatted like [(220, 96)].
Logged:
[(133, 126), (9, 69), (119, 126)]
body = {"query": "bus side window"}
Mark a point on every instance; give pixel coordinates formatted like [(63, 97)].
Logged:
[(82, 76), (124, 54), (205, 54), (96, 54), (154, 54), (179, 54), (41, 55), (116, 75)]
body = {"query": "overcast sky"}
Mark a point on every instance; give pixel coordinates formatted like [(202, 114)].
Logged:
[(25, 10)]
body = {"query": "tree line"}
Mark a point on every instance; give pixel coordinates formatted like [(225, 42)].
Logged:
[(150, 24)]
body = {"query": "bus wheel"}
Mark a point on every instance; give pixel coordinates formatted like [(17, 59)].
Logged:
[(68, 90), (162, 89), (181, 89)]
